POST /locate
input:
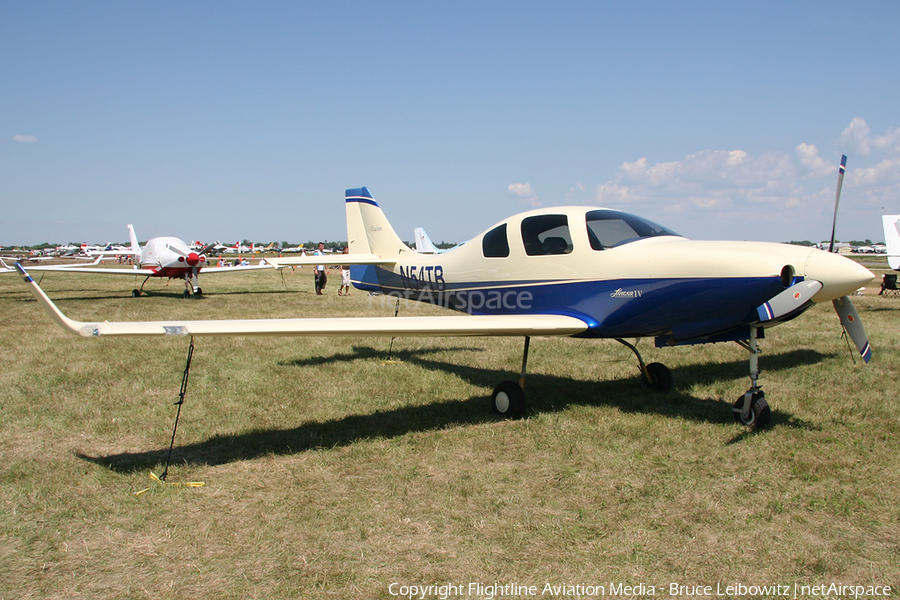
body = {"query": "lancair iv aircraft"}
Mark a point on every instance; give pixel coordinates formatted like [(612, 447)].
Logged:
[(572, 271), (166, 257)]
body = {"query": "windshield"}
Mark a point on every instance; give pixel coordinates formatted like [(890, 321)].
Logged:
[(611, 228)]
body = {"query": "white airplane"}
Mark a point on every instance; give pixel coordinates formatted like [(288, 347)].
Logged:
[(571, 271), (166, 257), (891, 225), (424, 244)]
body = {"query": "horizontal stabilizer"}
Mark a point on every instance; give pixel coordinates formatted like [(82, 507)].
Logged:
[(331, 259)]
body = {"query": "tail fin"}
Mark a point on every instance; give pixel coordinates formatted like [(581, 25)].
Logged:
[(423, 243), (368, 230), (892, 239), (135, 247)]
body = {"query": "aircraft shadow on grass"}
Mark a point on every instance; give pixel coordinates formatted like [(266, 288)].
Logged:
[(548, 393)]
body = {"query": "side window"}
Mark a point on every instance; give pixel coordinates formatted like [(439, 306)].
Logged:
[(546, 234), (608, 233), (494, 244)]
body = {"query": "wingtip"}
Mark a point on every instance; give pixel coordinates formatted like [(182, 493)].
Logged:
[(23, 272)]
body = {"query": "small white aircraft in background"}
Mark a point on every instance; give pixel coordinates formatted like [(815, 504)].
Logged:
[(570, 271), (166, 257), (891, 225), (424, 245), (423, 242)]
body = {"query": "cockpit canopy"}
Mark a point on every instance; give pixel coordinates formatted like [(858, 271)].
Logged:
[(548, 233), (611, 228)]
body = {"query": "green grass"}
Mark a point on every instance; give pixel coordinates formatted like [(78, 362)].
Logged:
[(331, 471)]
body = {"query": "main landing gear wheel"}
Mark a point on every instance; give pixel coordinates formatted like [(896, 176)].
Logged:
[(508, 400), (758, 414), (135, 293), (657, 377)]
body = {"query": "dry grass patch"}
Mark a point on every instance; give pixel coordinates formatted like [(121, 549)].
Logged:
[(332, 472)]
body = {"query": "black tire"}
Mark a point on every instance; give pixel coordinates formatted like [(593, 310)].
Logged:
[(508, 400), (186, 294), (135, 293), (657, 377), (760, 413)]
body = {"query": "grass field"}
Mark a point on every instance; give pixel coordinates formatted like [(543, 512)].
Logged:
[(332, 472)]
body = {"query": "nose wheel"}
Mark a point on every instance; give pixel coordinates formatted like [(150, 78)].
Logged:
[(752, 411)]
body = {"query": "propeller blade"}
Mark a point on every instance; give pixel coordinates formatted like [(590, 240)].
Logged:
[(853, 326), (837, 198), (789, 300), (176, 250)]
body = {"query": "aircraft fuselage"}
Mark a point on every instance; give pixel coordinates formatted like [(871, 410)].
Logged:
[(597, 266)]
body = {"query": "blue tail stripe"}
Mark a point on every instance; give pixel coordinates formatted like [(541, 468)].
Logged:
[(360, 195)]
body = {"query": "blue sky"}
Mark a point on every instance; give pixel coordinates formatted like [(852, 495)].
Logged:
[(248, 120)]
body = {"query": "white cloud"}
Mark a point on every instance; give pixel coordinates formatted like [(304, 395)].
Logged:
[(776, 195), (809, 157), (887, 172), (524, 193), (24, 138), (858, 138)]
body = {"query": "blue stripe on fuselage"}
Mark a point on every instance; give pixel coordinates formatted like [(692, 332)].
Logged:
[(686, 308)]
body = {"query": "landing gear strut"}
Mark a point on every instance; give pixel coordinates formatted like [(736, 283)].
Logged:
[(138, 292), (751, 409), (189, 287), (508, 398), (655, 376)]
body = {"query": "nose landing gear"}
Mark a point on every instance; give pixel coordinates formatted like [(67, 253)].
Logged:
[(751, 409)]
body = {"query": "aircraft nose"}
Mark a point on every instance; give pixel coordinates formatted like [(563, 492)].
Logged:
[(839, 275), (193, 258)]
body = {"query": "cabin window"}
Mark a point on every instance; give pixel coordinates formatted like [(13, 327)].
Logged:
[(611, 228), (494, 244), (546, 234)]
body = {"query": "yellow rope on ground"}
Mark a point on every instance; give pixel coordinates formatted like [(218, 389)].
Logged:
[(154, 477)]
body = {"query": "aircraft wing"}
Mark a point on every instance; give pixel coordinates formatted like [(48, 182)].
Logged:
[(331, 259), (210, 270), (137, 271), (74, 267), (88, 269), (456, 325)]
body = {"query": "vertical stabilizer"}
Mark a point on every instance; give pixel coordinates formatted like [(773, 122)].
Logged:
[(135, 247), (423, 243), (368, 230), (892, 239)]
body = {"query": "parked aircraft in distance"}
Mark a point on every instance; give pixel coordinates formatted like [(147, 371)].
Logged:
[(891, 224), (166, 257), (575, 271), (424, 244)]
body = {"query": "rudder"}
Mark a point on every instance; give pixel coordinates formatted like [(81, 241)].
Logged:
[(368, 230)]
